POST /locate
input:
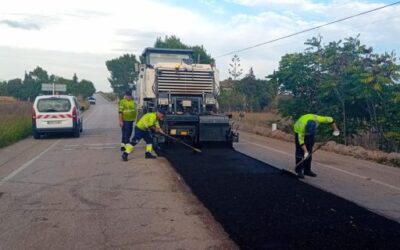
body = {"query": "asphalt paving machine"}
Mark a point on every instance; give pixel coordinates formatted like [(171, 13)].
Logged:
[(170, 79)]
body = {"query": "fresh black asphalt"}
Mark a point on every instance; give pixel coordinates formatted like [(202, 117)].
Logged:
[(261, 208)]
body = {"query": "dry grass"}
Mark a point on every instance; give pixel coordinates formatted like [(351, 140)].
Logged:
[(261, 124), (15, 122), (108, 96), (83, 102)]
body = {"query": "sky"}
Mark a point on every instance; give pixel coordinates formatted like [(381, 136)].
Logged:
[(78, 36)]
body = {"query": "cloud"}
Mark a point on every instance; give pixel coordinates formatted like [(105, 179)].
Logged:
[(25, 25), (126, 26), (15, 61), (86, 14), (299, 5), (134, 41)]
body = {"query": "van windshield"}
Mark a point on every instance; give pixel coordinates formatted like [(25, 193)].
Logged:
[(53, 105)]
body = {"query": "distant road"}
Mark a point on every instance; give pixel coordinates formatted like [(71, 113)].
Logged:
[(370, 185), (76, 193)]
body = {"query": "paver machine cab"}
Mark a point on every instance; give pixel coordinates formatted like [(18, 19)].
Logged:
[(170, 80)]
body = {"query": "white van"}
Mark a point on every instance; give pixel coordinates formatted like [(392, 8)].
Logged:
[(56, 113)]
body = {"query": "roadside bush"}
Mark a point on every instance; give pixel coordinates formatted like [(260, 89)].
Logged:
[(16, 122)]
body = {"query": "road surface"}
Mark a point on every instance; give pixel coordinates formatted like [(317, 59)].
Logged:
[(368, 184), (76, 193)]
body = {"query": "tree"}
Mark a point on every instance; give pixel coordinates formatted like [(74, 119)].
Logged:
[(254, 92), (31, 85), (235, 70), (200, 54), (347, 80), (122, 70), (75, 78), (170, 42)]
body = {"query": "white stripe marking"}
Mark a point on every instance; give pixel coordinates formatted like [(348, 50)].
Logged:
[(266, 147), (27, 164), (328, 166), (359, 176)]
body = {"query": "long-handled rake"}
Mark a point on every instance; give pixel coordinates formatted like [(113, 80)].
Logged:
[(300, 162), (314, 150), (182, 142)]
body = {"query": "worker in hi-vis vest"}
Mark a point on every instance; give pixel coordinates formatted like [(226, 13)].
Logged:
[(127, 116), (142, 131), (305, 129)]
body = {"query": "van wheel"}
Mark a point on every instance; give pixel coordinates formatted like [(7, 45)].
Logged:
[(35, 134), (77, 133)]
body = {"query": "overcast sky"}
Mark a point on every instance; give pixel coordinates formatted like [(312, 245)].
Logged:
[(65, 37)]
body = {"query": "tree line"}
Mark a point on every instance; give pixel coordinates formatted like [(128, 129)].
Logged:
[(348, 80), (31, 85), (344, 79)]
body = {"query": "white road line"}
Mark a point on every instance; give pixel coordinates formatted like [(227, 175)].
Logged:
[(87, 117), (102, 144), (266, 147), (26, 164), (328, 166), (359, 176), (99, 148)]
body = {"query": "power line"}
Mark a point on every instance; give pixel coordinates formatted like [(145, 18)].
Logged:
[(307, 30)]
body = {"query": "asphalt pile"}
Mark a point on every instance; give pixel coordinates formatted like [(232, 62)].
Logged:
[(262, 208)]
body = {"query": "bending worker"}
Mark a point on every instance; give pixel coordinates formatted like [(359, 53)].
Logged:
[(142, 131), (127, 116), (305, 129)]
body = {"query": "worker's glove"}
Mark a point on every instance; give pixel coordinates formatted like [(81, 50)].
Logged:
[(336, 133), (306, 154)]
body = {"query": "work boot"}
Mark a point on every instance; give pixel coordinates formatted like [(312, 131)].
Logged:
[(299, 171), (125, 156), (149, 156), (300, 174), (310, 173)]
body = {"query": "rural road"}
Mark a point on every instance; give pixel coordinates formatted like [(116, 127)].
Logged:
[(371, 185), (76, 193)]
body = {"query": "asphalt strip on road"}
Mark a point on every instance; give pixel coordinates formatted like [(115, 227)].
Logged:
[(261, 208)]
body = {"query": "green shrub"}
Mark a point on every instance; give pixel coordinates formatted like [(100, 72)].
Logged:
[(16, 123)]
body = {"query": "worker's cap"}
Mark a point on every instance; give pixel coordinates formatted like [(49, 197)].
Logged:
[(128, 92), (311, 128), (161, 111)]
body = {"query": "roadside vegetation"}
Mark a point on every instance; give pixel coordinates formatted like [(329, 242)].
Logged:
[(29, 87), (15, 122), (343, 79), (110, 96)]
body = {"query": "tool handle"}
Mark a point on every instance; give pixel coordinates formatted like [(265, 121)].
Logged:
[(184, 143), (316, 148)]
